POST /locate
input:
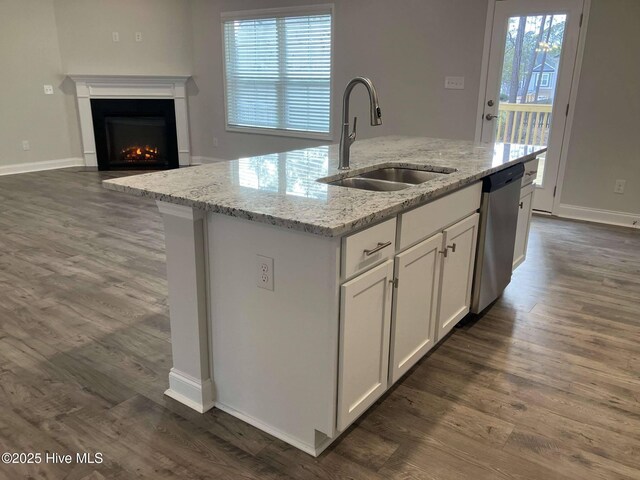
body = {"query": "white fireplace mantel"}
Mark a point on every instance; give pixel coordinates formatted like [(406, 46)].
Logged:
[(131, 86)]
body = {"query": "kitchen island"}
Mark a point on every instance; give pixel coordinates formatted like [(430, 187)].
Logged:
[(295, 303)]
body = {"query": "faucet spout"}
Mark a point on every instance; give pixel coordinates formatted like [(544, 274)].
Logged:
[(347, 137)]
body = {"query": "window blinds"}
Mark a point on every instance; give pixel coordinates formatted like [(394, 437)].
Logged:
[(278, 72)]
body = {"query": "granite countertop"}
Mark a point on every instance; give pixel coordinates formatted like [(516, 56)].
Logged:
[(282, 189)]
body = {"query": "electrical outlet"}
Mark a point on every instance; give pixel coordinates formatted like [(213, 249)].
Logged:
[(138, 36), (48, 89), (264, 272), (215, 142), (619, 188), (115, 36), (454, 83), (25, 145)]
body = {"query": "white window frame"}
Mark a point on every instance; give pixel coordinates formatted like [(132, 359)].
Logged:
[(545, 81), (270, 13)]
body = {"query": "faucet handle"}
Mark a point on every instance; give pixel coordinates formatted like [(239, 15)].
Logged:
[(353, 134)]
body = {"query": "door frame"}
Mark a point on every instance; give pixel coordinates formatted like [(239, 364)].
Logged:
[(564, 151)]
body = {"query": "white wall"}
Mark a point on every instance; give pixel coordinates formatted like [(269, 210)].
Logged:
[(85, 33), (29, 59), (406, 47), (604, 141), (41, 41)]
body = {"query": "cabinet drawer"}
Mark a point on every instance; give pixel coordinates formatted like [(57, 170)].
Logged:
[(368, 247), (530, 172), (422, 222)]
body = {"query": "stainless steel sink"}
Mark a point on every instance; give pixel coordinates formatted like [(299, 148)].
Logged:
[(402, 175), (389, 179), (372, 184)]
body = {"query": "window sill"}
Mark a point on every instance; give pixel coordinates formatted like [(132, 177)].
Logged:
[(274, 132)]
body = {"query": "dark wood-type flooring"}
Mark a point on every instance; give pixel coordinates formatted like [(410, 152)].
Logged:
[(546, 386)]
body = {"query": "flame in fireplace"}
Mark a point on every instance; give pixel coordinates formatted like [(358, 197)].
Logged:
[(139, 153)]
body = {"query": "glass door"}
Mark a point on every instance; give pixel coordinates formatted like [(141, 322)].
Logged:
[(531, 62)]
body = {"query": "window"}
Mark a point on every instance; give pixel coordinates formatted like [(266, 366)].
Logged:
[(278, 71), (544, 82)]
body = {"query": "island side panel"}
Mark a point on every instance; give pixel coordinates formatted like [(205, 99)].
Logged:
[(190, 378), (275, 353)]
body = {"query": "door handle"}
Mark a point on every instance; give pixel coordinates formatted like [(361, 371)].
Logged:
[(380, 246), (490, 116)]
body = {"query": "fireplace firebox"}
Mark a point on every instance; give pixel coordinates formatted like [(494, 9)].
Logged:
[(135, 134)]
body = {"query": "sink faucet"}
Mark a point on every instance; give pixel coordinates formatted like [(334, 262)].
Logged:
[(376, 118)]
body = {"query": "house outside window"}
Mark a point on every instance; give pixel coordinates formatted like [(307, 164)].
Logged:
[(278, 71)]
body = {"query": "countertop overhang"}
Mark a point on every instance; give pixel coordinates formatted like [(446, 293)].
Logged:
[(281, 189)]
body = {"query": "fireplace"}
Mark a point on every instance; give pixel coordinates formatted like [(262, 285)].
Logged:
[(135, 133)]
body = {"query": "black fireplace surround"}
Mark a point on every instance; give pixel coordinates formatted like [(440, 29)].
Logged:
[(136, 134)]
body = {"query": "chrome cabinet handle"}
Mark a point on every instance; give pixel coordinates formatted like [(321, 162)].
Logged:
[(377, 249), (445, 252)]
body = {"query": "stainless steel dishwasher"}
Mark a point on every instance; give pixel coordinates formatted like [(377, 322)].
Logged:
[(497, 236)]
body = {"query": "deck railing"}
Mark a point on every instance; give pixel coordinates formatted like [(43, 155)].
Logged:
[(525, 123)]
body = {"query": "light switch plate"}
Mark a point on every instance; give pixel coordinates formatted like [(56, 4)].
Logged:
[(454, 83), (115, 36), (48, 89)]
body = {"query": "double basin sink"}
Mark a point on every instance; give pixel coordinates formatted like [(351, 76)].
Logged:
[(390, 179)]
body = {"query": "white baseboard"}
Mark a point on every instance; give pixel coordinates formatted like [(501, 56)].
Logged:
[(39, 166), (190, 391), (279, 434), (197, 160), (595, 215)]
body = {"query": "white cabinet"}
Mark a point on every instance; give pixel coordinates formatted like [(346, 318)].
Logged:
[(367, 248), (524, 225), (365, 318), (530, 172), (415, 302), (392, 314), (423, 222), (459, 255)]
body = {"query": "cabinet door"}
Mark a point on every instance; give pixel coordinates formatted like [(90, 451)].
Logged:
[(457, 273), (415, 302), (365, 320), (524, 225)]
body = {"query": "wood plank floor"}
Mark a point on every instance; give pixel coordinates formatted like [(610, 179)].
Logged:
[(545, 386)]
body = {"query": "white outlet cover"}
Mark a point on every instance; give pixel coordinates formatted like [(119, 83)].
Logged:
[(138, 36), (264, 272), (619, 187), (48, 89), (454, 83), (25, 145)]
